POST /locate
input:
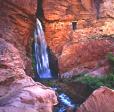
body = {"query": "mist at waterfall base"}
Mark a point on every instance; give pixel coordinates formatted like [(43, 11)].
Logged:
[(43, 70)]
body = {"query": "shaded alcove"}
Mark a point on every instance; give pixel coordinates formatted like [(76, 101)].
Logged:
[(74, 25), (97, 6), (53, 63), (40, 13)]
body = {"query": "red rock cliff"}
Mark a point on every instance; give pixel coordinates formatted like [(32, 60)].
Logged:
[(79, 32)]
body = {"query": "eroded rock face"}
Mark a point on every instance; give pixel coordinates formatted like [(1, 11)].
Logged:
[(88, 55), (17, 18), (68, 9), (79, 33), (17, 21), (107, 8), (101, 100), (18, 92)]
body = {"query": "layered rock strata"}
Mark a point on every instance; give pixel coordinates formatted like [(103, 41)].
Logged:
[(79, 33)]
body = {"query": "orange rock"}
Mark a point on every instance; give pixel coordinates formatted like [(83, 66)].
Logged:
[(67, 45), (68, 9), (87, 54), (93, 22)]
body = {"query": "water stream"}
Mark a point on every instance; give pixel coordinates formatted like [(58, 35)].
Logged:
[(43, 70), (66, 103), (41, 56)]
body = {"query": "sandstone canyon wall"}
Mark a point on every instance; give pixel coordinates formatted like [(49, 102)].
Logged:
[(84, 48), (18, 92), (17, 20)]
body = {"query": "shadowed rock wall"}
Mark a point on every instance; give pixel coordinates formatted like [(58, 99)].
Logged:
[(18, 92), (17, 20)]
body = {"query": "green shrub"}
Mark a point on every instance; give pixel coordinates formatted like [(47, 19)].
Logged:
[(96, 82), (111, 60), (111, 57)]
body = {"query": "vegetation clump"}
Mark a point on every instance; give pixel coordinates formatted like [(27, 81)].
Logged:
[(111, 60), (96, 82)]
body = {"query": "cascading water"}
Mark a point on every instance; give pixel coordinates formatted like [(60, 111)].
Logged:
[(66, 104), (41, 56), (42, 67)]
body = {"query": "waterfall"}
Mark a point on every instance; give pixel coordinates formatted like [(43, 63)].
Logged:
[(43, 71), (41, 56)]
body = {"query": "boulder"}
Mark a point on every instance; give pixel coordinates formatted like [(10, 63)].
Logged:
[(18, 92), (101, 100)]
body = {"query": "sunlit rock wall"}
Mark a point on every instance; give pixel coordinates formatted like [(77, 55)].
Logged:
[(79, 32)]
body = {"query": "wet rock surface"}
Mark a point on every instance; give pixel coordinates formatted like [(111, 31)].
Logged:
[(70, 93)]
